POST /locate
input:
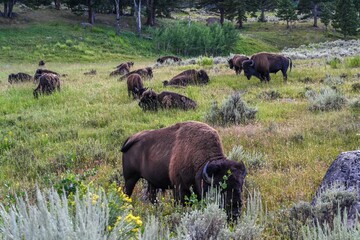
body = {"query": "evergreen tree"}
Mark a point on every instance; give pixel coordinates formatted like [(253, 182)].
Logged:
[(346, 18), (327, 10), (286, 11)]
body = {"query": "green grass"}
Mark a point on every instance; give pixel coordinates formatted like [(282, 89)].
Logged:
[(80, 130)]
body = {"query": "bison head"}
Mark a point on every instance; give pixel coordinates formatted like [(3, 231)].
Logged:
[(11, 78), (231, 63), (203, 77), (130, 64), (148, 101), (230, 176), (249, 68), (140, 91)]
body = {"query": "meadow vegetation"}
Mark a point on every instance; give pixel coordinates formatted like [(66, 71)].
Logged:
[(73, 137)]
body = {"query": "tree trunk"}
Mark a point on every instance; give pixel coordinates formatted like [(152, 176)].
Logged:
[(5, 9), (8, 8), (262, 16), (222, 13), (315, 13), (91, 17), (117, 7), (150, 12), (57, 4), (240, 23), (138, 16)]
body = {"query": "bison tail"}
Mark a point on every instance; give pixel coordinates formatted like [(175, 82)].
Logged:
[(290, 62), (128, 144)]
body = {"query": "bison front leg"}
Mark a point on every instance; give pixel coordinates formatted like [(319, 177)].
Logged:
[(151, 193)]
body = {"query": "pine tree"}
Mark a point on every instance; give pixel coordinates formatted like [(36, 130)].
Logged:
[(286, 11), (346, 18), (327, 10)]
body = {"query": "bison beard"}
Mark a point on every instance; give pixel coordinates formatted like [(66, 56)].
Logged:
[(181, 157)]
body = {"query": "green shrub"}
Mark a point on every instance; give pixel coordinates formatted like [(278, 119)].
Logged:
[(334, 62), (333, 81), (196, 39), (355, 104), (233, 111), (328, 99), (355, 87), (253, 161), (353, 62), (205, 61), (270, 95)]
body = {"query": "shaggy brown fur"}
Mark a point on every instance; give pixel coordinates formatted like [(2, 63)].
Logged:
[(122, 69), (40, 72), (236, 63), (48, 83), (181, 157), (262, 64), (152, 101), (145, 73), (165, 58), (19, 77), (135, 85), (189, 77)]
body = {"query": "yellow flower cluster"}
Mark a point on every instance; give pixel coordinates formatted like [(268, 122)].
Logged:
[(94, 198), (123, 196)]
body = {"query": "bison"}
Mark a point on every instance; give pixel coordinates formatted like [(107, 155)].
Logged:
[(166, 58), (262, 64), (236, 63), (19, 77), (48, 83), (189, 77), (135, 85), (185, 156), (40, 72), (92, 72), (122, 69), (145, 73), (150, 100)]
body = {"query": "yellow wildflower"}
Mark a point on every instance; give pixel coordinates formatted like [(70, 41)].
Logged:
[(95, 197), (10, 133), (138, 222), (110, 228)]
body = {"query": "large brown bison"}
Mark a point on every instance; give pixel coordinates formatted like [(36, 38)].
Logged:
[(145, 73), (261, 65), (122, 69), (19, 77), (135, 85), (48, 83), (236, 63), (166, 58), (180, 157), (150, 100), (40, 72), (189, 77)]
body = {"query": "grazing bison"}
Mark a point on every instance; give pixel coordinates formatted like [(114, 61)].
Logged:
[(19, 77), (166, 58), (180, 157), (48, 83), (122, 69), (262, 64), (189, 77), (145, 73), (135, 85), (150, 100), (236, 63), (40, 72)]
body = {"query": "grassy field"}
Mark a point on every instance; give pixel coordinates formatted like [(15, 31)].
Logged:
[(75, 135)]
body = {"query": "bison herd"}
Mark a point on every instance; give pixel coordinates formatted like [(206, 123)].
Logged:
[(184, 156)]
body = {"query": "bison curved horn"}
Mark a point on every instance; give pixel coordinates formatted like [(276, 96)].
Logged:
[(252, 63), (205, 176)]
